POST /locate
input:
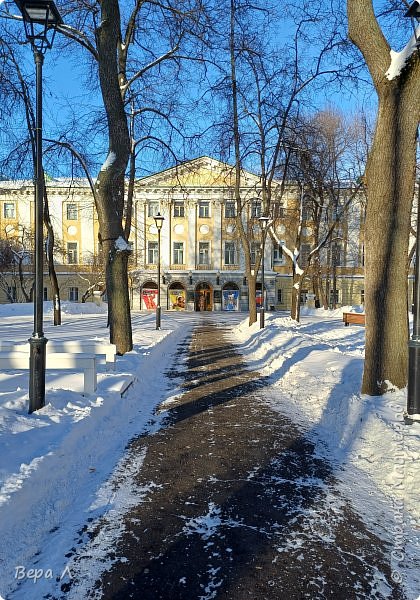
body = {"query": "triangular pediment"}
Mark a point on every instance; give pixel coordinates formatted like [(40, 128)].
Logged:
[(200, 172)]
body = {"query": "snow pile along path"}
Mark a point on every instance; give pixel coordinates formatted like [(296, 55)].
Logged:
[(316, 369)]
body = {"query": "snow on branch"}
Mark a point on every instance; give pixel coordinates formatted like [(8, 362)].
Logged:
[(109, 161), (292, 255), (124, 86), (122, 246), (399, 59)]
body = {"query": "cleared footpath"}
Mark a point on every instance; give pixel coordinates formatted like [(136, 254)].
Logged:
[(241, 506)]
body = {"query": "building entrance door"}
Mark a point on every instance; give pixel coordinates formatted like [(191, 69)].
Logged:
[(203, 297)]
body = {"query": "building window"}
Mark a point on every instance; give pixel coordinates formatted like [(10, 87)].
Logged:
[(204, 253), (9, 210), (179, 208), (152, 209), (255, 246), (304, 254), (72, 253), (73, 294), (72, 212), (230, 253), (280, 296), (178, 253), (307, 209), (45, 293), (279, 211), (334, 296), (152, 253), (230, 210), (303, 296), (204, 209), (256, 209), (336, 254), (278, 258)]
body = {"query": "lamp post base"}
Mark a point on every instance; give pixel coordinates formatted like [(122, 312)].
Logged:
[(37, 351), (262, 318), (158, 311), (411, 419)]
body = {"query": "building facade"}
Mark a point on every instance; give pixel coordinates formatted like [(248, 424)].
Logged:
[(202, 264)]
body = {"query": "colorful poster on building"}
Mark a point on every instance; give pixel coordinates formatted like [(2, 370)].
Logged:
[(149, 298), (230, 300), (177, 299), (258, 298)]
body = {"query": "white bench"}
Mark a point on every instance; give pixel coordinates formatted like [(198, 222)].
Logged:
[(56, 360), (76, 346)]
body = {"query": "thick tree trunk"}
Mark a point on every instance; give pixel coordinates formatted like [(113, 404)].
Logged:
[(110, 182), (390, 177), (295, 309), (390, 184), (116, 255), (118, 301), (323, 296), (252, 298)]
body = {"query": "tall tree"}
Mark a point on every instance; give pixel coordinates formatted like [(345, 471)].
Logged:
[(16, 251), (326, 163), (16, 96), (264, 84), (110, 31), (390, 178)]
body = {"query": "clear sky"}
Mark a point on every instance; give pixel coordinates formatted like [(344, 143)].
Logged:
[(65, 95)]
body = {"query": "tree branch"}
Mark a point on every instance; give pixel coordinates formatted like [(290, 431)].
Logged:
[(365, 33)]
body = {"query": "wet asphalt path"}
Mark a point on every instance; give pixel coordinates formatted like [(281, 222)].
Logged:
[(241, 507)]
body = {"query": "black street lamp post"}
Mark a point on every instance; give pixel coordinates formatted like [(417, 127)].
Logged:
[(263, 224), (159, 223), (41, 19), (413, 392)]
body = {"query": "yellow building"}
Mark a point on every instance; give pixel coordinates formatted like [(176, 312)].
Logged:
[(202, 263)]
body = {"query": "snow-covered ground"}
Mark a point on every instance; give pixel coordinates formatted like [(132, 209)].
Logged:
[(63, 467)]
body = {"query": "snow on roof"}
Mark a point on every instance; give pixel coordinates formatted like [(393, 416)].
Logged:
[(54, 182)]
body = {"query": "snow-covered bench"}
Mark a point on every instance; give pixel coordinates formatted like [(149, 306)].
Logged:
[(71, 346), (353, 318), (56, 361)]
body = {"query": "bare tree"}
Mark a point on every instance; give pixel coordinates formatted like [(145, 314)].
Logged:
[(265, 83), (109, 31), (326, 163), (390, 178), (16, 249), (17, 97)]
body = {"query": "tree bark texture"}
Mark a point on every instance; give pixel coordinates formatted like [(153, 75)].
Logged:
[(252, 306), (390, 178), (50, 260), (110, 182), (252, 299), (296, 288)]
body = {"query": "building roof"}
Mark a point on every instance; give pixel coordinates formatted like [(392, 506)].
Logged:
[(203, 172)]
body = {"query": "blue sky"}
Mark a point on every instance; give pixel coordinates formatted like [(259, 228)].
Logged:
[(64, 92)]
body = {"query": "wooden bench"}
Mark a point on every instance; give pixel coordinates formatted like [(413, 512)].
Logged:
[(56, 361), (353, 318), (70, 346)]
